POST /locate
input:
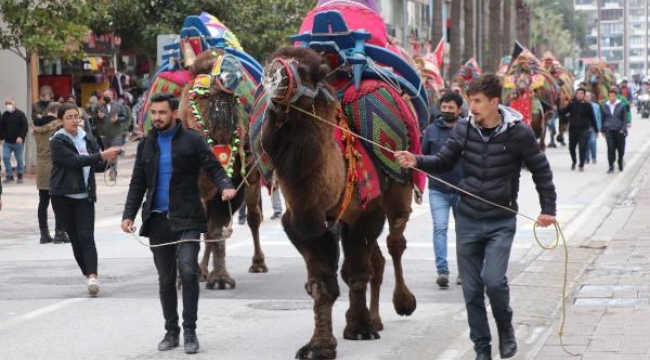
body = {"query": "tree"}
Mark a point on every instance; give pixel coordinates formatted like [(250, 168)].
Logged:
[(548, 31), (436, 26), (260, 25), (523, 22), (49, 28), (469, 30), (507, 42), (455, 48), (496, 33)]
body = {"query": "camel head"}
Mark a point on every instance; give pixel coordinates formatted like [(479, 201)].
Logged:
[(295, 76), (213, 103)]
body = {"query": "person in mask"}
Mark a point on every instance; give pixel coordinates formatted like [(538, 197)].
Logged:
[(13, 130), (44, 98), (442, 198)]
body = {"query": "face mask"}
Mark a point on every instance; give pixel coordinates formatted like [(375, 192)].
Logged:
[(448, 116), (10, 108), (107, 99)]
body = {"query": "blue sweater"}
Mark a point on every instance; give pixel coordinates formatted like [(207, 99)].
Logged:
[(161, 194), (433, 140)]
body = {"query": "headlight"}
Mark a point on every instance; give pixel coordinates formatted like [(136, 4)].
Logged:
[(644, 97)]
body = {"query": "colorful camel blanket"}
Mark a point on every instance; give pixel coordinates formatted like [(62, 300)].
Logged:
[(377, 112)]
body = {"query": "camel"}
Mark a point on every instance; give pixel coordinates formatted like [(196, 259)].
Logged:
[(210, 107), (319, 180)]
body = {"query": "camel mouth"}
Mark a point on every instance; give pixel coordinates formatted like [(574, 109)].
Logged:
[(278, 81), (220, 112)]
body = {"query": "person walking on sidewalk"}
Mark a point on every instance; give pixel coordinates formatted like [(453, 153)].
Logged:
[(166, 171), (592, 145), (13, 130), (44, 128), (492, 143), (75, 159), (581, 118), (442, 198), (615, 124)]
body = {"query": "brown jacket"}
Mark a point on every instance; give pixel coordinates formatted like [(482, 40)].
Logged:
[(42, 135)]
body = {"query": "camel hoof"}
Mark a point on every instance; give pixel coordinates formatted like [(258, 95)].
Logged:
[(221, 283), (404, 305), (258, 268), (377, 324), (361, 332), (315, 352)]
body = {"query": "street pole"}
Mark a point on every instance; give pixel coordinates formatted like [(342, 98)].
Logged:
[(479, 31), (625, 42), (647, 38)]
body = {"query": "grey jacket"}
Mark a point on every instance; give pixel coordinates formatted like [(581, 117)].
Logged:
[(106, 126)]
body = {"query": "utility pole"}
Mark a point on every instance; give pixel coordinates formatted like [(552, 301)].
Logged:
[(405, 26), (479, 31), (626, 51), (647, 38)]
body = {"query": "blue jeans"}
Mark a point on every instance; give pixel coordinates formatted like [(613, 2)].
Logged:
[(168, 259), (17, 149), (591, 146), (440, 203), (483, 250)]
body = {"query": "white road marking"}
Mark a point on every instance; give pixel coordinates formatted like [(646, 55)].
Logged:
[(37, 313)]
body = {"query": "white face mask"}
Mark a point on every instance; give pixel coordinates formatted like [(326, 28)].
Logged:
[(10, 107)]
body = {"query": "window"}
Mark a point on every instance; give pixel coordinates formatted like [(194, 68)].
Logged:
[(611, 14)]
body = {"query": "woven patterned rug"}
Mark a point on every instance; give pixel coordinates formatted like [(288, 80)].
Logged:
[(378, 112)]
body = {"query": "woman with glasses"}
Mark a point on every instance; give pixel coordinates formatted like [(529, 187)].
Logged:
[(75, 158)]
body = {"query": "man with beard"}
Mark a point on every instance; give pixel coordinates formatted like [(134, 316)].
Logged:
[(166, 171)]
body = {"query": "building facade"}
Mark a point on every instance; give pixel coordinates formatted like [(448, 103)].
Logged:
[(618, 33)]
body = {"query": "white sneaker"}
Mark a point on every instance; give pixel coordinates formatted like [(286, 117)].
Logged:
[(93, 287)]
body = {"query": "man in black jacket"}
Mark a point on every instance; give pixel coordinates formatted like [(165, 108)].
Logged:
[(166, 170), (581, 118), (13, 130), (493, 143), (614, 116)]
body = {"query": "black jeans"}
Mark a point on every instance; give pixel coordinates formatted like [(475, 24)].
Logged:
[(579, 137), (43, 203), (483, 251), (170, 259), (78, 217), (615, 144)]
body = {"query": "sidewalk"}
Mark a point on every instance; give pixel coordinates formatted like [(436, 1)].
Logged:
[(608, 309)]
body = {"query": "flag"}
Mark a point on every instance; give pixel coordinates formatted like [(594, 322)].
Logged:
[(438, 52)]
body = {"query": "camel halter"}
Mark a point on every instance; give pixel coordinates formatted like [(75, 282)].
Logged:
[(294, 88)]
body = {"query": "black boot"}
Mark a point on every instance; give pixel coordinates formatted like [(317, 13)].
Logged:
[(507, 341), (170, 341), (45, 237), (191, 341), (60, 237)]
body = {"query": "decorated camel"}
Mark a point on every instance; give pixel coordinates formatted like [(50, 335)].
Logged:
[(216, 81), (318, 98), (564, 82), (532, 91), (598, 79)]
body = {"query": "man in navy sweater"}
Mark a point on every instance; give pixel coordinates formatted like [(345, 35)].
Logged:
[(443, 198), (166, 170)]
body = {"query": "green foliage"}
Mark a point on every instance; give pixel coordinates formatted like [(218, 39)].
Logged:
[(557, 28), (51, 28), (260, 25)]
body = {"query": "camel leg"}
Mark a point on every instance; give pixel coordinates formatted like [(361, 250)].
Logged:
[(254, 219), (358, 240), (205, 262), (321, 258), (378, 265), (219, 275), (397, 206)]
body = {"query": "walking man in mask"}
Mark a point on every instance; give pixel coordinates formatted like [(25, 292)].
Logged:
[(442, 198), (13, 130)]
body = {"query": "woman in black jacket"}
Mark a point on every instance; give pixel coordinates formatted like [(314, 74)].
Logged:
[(75, 158)]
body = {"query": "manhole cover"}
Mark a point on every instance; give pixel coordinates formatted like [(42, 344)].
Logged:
[(287, 305)]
